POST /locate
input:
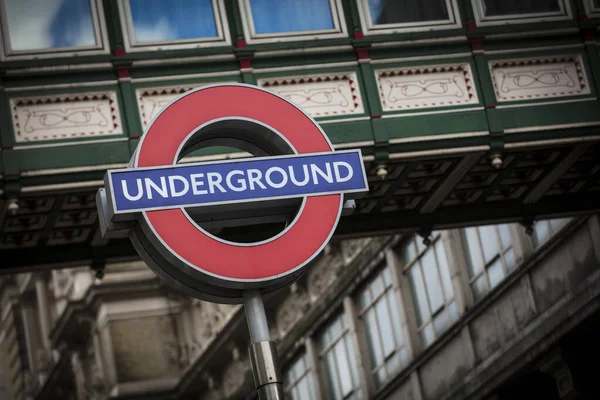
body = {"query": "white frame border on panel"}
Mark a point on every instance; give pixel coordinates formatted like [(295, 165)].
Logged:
[(590, 10), (339, 30), (564, 14), (453, 22), (578, 60), (99, 26), (223, 37)]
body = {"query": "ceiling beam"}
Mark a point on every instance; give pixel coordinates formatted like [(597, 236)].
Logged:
[(408, 168), (358, 225), (503, 173), (63, 256), (449, 183), (559, 169)]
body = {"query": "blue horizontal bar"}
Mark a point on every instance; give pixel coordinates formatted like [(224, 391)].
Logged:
[(253, 179)]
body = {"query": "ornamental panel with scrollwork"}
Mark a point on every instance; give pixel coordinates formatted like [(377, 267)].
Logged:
[(327, 95), (429, 86), (69, 116), (539, 78), (151, 100)]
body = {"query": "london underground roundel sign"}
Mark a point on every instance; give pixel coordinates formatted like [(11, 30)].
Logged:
[(294, 159)]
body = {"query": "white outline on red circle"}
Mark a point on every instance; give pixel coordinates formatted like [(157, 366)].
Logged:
[(221, 278)]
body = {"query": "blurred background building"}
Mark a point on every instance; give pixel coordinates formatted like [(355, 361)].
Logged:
[(469, 271)]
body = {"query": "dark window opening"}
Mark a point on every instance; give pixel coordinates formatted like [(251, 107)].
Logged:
[(406, 11), (507, 7)]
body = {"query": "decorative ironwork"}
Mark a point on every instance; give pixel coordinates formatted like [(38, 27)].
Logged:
[(426, 87), (523, 79), (320, 95), (65, 116)]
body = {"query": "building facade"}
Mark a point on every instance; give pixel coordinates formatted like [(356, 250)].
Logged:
[(467, 272), (484, 312)]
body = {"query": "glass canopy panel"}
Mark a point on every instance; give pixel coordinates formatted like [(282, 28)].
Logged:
[(285, 16), (406, 11), (49, 24), (511, 7), (169, 20)]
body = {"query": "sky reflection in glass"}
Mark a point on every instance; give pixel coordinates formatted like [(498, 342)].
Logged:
[(280, 16), (162, 20), (49, 24)]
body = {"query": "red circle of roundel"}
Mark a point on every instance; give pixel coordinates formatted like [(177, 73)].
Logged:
[(269, 260)]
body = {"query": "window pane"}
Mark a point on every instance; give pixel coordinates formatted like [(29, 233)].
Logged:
[(373, 340), (418, 291), (343, 321), (489, 242), (504, 235), (541, 232), (302, 389), (432, 281), (299, 368), (387, 277), (377, 286), (364, 298), (409, 252), (420, 245), (352, 362), (279, 16), (288, 378), (403, 356), (341, 374), (343, 368), (332, 376), (325, 339), (292, 374), (444, 269), (380, 377), (509, 259), (300, 392), (50, 24), (311, 386), (382, 329), (507, 7), (440, 322), (495, 273), (402, 11), (475, 261), (558, 223), (393, 365), (453, 311), (427, 335), (162, 20), (336, 329), (480, 287), (385, 326), (391, 298)]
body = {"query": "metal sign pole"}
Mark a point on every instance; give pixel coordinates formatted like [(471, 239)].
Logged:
[(263, 353)]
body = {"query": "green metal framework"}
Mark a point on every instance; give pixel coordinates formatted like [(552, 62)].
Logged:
[(436, 160)]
